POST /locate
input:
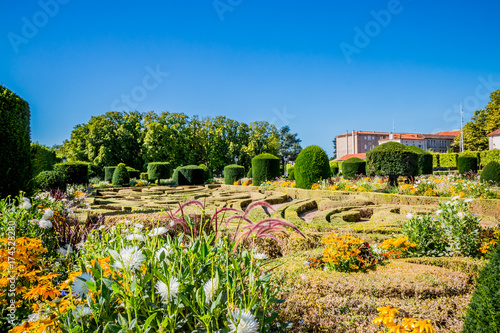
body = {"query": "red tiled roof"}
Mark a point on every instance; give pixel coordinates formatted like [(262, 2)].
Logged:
[(495, 132), (406, 136), (365, 133), (449, 133), (345, 157)]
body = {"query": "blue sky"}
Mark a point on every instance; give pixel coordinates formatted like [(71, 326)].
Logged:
[(320, 67)]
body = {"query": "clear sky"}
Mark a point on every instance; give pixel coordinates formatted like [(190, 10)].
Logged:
[(321, 67)]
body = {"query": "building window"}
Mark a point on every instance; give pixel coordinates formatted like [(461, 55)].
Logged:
[(366, 147)]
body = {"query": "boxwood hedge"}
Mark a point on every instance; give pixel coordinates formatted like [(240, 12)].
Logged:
[(189, 175), (265, 167), (353, 166), (108, 173), (121, 176), (425, 161), (491, 173), (311, 166), (391, 159), (466, 164), (233, 173), (158, 171), (74, 172)]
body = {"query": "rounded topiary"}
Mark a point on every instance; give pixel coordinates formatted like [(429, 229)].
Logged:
[(74, 172), (133, 173), (232, 173), (424, 161), (483, 312), (249, 173), (311, 166), (391, 159), (291, 173), (144, 176), (47, 180), (158, 171), (353, 166), (189, 175), (206, 171), (466, 164), (491, 173), (108, 173), (121, 176), (265, 167), (334, 168)]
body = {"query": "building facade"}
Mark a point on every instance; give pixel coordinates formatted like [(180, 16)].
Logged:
[(358, 142), (494, 139)]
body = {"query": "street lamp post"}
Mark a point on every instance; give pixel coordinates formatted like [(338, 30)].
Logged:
[(236, 160), (285, 158)]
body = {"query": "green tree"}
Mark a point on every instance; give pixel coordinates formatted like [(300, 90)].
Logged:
[(289, 144)]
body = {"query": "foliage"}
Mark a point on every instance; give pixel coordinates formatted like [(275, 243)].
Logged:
[(74, 172), (352, 167), (207, 174), (291, 173), (108, 173), (46, 180), (15, 161), (249, 174), (424, 161), (396, 247), (311, 166), (189, 175), (158, 171), (144, 176), (490, 156), (491, 173), (448, 160), (233, 173), (121, 176), (435, 160), (334, 168), (347, 253), (265, 167), (387, 317), (133, 173), (289, 144), (42, 158), (391, 159), (467, 164)]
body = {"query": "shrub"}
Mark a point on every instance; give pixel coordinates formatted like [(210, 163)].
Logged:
[(490, 156), (15, 161), (352, 167), (42, 158), (47, 180), (265, 167), (189, 175), (121, 176), (233, 173), (435, 160), (391, 159), (74, 172), (311, 166), (424, 161), (144, 176), (483, 312), (448, 160), (491, 173), (334, 168), (291, 173), (207, 174), (133, 173), (108, 173), (158, 171), (466, 164), (249, 174)]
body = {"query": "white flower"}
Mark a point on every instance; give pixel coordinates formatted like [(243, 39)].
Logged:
[(261, 256), (138, 227), (34, 317), (439, 211), (47, 214), (246, 324), (210, 288), (158, 231), (303, 277), (455, 197), (125, 231), (82, 311), (460, 215), (80, 286), (468, 200), (26, 203), (102, 227), (80, 245), (137, 237), (167, 293), (164, 249), (131, 258), (65, 250), (45, 224), (409, 216)]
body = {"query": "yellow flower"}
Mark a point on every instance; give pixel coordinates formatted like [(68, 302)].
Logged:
[(423, 326)]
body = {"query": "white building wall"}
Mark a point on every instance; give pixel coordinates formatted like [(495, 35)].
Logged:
[(494, 142)]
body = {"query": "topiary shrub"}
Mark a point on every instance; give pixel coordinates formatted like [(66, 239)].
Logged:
[(144, 176), (466, 164), (232, 173), (425, 161), (435, 160), (121, 176), (108, 173), (189, 175), (47, 180), (158, 171), (249, 174), (483, 312), (291, 173), (391, 159), (491, 173), (265, 167), (334, 168), (448, 160), (489, 156), (133, 173), (206, 172), (311, 166), (353, 166), (15, 159), (42, 158), (74, 172)]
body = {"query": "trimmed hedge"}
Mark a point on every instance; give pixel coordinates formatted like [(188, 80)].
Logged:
[(15, 157), (206, 171), (249, 174), (144, 176), (391, 159), (491, 173), (74, 172), (291, 173), (133, 173), (42, 158), (158, 171), (489, 156), (425, 161), (47, 180), (435, 160), (448, 160), (353, 166), (232, 173), (121, 176), (334, 168), (108, 173), (483, 312), (265, 167), (311, 166), (466, 164), (189, 175)]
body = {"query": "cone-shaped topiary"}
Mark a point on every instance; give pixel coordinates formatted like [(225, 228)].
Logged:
[(189, 175), (424, 161), (391, 159), (491, 173), (265, 167), (352, 167), (233, 173), (121, 176), (158, 171), (311, 165), (483, 313), (108, 173), (74, 172), (249, 174), (466, 164)]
